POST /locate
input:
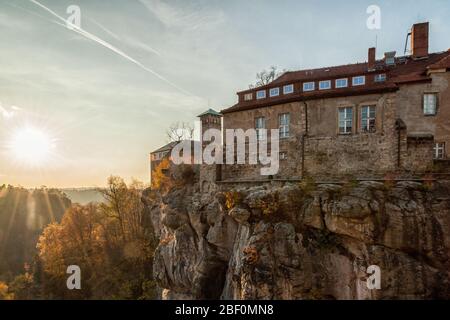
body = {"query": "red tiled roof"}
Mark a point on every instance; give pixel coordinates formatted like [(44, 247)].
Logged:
[(406, 70), (442, 64)]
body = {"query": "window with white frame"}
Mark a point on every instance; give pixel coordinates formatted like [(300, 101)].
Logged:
[(288, 89), (260, 125), (342, 83), (261, 94), (283, 124), (368, 119), (324, 85), (345, 120), (308, 86), (429, 104), (358, 81), (274, 92), (439, 150), (283, 155), (380, 77), (248, 96)]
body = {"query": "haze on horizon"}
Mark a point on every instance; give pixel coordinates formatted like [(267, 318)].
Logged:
[(98, 110)]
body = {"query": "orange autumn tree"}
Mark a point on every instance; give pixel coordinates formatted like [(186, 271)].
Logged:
[(111, 244), (160, 180)]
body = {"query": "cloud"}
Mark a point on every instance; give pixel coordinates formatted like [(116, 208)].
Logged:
[(189, 17), (107, 45)]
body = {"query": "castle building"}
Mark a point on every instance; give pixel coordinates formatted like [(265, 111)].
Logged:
[(363, 119)]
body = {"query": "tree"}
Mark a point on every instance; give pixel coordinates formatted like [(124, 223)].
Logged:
[(160, 179), (266, 76), (4, 292), (108, 241), (179, 131)]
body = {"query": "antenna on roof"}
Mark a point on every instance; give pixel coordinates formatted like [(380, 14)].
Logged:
[(406, 42)]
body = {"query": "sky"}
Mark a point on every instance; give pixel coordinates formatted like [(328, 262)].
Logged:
[(104, 96)]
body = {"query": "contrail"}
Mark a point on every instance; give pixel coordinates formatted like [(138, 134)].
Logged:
[(112, 34), (106, 44)]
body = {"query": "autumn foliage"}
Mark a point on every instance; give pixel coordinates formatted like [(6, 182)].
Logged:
[(108, 241)]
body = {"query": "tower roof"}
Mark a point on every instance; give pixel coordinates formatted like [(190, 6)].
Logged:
[(210, 112)]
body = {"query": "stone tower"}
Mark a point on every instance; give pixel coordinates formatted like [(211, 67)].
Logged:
[(209, 174)]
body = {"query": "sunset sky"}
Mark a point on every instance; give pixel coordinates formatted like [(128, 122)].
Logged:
[(100, 103)]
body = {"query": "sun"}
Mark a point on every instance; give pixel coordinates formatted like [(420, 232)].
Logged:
[(31, 146)]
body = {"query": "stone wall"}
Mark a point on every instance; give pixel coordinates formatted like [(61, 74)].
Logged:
[(419, 155)]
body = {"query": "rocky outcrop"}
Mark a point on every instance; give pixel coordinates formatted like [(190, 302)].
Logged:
[(303, 241)]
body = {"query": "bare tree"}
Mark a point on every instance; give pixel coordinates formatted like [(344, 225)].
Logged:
[(266, 76), (179, 131)]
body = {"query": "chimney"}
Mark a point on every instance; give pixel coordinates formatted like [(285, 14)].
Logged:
[(371, 61), (419, 40)]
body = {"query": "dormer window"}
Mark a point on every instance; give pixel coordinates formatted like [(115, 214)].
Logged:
[(380, 77), (288, 89), (324, 85), (248, 96), (389, 58), (274, 92), (359, 81), (342, 83), (261, 94), (308, 86)]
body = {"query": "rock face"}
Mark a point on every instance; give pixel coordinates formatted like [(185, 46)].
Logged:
[(303, 241)]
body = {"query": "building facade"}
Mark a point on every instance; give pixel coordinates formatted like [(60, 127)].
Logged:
[(365, 119)]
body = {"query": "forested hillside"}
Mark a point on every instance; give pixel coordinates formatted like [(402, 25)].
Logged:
[(23, 216)]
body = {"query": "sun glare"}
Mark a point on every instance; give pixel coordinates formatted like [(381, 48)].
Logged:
[(31, 146)]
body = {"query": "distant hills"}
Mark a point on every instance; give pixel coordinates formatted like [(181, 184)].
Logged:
[(83, 195)]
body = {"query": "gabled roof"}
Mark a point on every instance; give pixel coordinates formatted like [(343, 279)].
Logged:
[(210, 111), (441, 64), (166, 147), (405, 70), (171, 145)]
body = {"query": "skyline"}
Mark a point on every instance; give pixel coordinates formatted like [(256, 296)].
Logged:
[(105, 113)]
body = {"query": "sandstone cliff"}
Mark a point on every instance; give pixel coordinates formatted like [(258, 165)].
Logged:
[(302, 241)]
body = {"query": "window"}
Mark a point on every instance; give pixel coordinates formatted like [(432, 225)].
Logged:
[(380, 77), (288, 89), (261, 94), (439, 150), (345, 120), (308, 86), (260, 125), (390, 61), (324, 85), (429, 104), (248, 96), (341, 83), (274, 92), (359, 81), (368, 116), (283, 123), (283, 155)]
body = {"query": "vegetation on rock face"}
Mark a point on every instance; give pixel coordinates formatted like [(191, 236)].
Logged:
[(160, 179), (167, 176), (232, 199)]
